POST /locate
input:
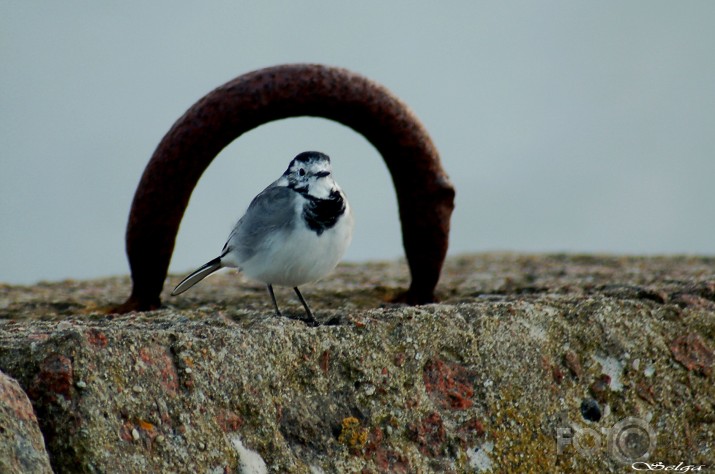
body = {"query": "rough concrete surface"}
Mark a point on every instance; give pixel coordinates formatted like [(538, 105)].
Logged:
[(529, 364), (22, 448)]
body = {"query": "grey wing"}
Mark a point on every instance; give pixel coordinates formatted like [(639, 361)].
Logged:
[(272, 210)]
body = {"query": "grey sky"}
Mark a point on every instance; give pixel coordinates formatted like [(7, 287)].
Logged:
[(565, 126)]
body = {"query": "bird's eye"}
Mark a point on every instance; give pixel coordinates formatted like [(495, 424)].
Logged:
[(301, 172)]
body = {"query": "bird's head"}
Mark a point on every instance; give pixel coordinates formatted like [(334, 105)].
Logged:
[(310, 172)]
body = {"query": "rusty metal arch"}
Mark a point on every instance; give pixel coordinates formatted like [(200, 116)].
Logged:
[(424, 193)]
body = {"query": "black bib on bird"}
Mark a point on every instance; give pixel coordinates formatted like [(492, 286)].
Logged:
[(321, 214)]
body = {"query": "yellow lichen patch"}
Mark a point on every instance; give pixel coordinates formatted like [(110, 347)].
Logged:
[(146, 426), (519, 442), (352, 434)]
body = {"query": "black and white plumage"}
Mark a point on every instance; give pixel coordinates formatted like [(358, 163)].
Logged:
[(294, 232)]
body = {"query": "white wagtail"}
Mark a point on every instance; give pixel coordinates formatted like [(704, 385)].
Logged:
[(294, 232)]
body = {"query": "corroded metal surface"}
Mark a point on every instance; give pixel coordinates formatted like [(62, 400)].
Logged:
[(424, 193)]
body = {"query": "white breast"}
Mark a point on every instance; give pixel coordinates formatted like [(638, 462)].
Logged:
[(298, 256)]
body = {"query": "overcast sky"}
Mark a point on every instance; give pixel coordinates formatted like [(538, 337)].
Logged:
[(566, 126)]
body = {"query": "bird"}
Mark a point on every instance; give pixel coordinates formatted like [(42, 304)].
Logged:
[(294, 232)]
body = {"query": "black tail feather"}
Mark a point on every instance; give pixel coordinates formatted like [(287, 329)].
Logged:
[(198, 275)]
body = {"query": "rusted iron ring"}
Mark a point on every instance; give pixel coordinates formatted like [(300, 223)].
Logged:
[(425, 195)]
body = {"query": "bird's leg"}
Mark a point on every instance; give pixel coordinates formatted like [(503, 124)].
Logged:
[(273, 297), (311, 319)]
